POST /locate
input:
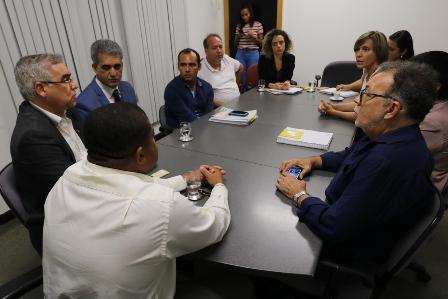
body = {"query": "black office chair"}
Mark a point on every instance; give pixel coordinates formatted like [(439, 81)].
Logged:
[(31, 279), (340, 72), (377, 277), (164, 129)]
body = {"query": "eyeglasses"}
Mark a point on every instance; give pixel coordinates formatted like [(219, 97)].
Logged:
[(371, 96), (107, 67), (63, 81)]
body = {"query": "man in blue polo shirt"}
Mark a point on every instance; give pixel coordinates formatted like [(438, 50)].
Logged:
[(187, 97), (382, 182)]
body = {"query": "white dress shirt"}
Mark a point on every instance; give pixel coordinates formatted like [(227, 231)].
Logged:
[(116, 234), (222, 80), (106, 90), (65, 127)]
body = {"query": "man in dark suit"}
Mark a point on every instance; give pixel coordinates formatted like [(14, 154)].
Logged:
[(107, 86), (45, 140)]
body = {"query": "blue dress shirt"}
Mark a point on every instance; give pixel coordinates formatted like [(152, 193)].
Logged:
[(184, 105), (379, 189)]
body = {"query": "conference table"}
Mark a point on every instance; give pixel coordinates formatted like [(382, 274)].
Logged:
[(265, 233)]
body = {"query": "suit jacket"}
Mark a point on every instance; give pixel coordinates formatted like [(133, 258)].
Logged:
[(40, 155), (267, 71), (93, 97)]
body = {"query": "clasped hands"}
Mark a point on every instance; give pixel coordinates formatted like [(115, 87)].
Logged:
[(207, 173), (250, 33), (280, 85), (325, 107)]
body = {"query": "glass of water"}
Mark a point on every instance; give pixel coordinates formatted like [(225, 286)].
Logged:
[(193, 185), (312, 86), (261, 85), (185, 131)]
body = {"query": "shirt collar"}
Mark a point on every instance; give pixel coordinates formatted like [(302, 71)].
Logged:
[(102, 170), (56, 119), (212, 69), (198, 82), (399, 135), (106, 89)]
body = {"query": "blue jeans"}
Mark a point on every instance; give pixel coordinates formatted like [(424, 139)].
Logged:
[(247, 58)]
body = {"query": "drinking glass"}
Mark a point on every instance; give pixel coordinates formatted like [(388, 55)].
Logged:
[(193, 185), (312, 86), (261, 85), (185, 131)]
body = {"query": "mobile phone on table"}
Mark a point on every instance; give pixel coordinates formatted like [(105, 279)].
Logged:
[(295, 171), (239, 113)]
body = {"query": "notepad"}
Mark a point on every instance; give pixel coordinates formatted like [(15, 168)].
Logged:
[(306, 138), (159, 173), (344, 94), (290, 91), (222, 116)]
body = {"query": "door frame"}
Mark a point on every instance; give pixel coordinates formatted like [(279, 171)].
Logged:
[(226, 21)]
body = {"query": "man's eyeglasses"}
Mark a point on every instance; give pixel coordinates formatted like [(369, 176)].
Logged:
[(63, 81), (108, 67), (364, 94)]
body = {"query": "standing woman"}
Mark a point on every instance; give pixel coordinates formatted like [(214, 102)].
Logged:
[(248, 40), (401, 46), (276, 64)]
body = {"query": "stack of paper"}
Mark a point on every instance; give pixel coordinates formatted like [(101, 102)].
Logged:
[(222, 116), (344, 94), (291, 90), (307, 138)]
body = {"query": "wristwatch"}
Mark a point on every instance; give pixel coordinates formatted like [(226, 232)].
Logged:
[(297, 196)]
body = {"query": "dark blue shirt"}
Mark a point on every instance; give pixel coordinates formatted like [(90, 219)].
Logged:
[(379, 189), (180, 103)]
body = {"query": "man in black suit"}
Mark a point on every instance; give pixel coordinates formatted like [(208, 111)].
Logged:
[(45, 140)]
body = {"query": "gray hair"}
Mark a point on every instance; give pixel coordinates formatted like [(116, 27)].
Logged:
[(33, 68), (104, 46), (210, 35), (415, 85)]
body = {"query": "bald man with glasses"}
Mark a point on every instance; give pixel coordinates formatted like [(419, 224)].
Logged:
[(45, 140), (382, 183), (107, 86)]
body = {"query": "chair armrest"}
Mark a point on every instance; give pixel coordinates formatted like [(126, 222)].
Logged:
[(22, 284)]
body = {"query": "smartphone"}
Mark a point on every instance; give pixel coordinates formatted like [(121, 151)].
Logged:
[(295, 171), (239, 113)]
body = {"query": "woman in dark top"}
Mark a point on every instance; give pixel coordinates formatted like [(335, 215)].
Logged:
[(401, 45), (276, 64)]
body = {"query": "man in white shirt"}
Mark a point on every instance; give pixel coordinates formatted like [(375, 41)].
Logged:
[(111, 231), (45, 139), (220, 70)]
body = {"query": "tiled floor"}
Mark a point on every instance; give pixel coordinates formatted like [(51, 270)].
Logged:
[(17, 256)]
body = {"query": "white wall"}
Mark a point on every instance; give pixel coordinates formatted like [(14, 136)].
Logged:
[(204, 17), (151, 32), (325, 30)]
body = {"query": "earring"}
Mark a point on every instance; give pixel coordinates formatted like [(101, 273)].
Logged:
[(401, 57)]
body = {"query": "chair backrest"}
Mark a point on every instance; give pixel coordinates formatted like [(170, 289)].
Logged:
[(162, 118), (252, 75), (164, 129), (340, 72), (409, 244), (10, 193)]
